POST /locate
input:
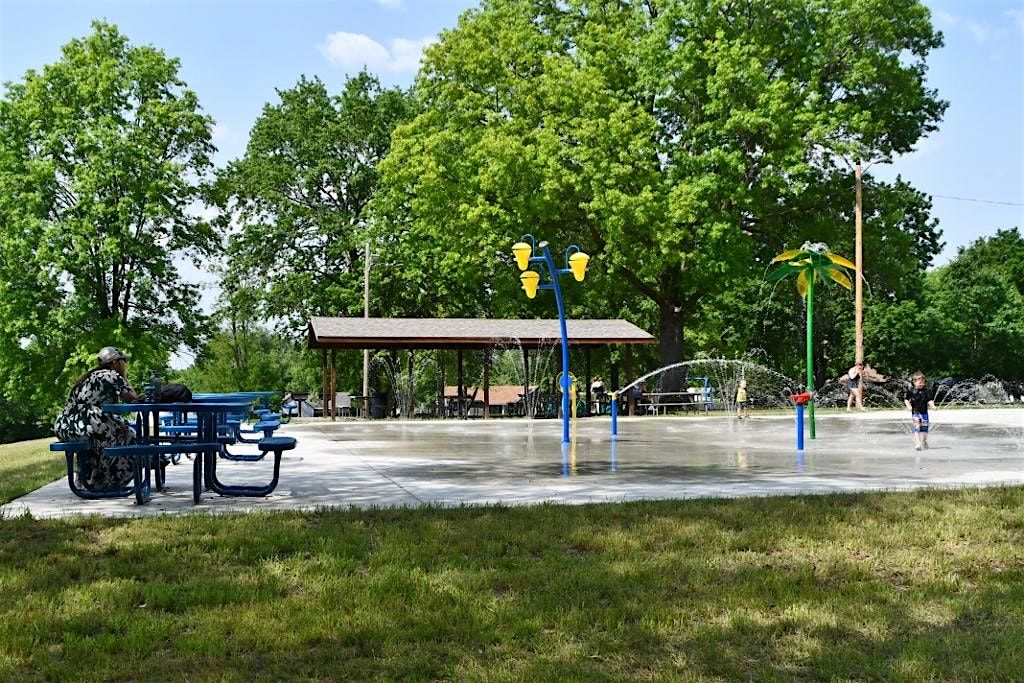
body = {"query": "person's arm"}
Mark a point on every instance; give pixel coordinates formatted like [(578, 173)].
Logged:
[(906, 401), (125, 391)]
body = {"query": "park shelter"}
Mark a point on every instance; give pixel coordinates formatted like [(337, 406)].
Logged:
[(462, 334)]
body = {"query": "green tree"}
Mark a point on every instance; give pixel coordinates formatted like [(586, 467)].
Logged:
[(672, 140), (979, 296), (101, 156), (750, 315), (301, 192)]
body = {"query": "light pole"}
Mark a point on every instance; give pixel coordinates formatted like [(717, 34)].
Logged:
[(858, 256), (576, 263)]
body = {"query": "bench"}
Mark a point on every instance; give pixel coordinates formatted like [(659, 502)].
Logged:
[(71, 449), (273, 444), (659, 403), (142, 455)]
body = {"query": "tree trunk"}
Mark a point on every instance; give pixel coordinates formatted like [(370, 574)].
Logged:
[(670, 346)]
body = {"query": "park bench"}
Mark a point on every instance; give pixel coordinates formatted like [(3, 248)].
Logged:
[(74, 454), (142, 461), (273, 444)]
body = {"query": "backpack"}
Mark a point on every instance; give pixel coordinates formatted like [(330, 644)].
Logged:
[(173, 393)]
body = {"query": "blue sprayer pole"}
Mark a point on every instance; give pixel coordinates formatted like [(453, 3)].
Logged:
[(799, 426), (615, 414), (555, 272)]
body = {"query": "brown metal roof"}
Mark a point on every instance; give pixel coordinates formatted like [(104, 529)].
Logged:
[(466, 333)]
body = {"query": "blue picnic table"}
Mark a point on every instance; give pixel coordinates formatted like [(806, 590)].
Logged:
[(206, 443)]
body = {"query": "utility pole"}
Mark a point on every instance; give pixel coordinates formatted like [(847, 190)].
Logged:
[(366, 314), (858, 306)]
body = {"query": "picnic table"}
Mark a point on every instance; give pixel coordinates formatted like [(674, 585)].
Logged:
[(206, 443)]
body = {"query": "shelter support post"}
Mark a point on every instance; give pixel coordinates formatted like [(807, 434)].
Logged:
[(323, 381), (630, 401), (462, 389), (487, 383), (526, 382), (589, 379), (334, 384)]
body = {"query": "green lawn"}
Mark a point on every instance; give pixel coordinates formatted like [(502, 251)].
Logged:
[(27, 465), (918, 586)]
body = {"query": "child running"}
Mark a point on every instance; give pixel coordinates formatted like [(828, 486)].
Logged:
[(918, 399)]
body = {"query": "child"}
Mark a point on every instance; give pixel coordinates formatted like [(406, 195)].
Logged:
[(741, 400), (918, 399)]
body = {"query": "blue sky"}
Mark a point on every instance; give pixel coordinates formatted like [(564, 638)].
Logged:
[(234, 54)]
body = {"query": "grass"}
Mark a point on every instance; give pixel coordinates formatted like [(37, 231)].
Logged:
[(27, 465), (902, 586)]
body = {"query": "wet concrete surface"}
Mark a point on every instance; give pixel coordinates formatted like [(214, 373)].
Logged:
[(513, 461)]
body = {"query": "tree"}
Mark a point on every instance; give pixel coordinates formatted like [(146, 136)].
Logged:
[(101, 155), (978, 295), (671, 140), (301, 192), (749, 315)]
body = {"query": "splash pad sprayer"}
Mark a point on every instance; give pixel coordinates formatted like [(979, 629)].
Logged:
[(615, 413), (811, 262), (800, 399), (576, 264)]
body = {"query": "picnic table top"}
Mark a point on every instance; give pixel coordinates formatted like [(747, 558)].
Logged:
[(205, 407)]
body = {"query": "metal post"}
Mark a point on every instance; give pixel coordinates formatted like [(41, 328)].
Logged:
[(554, 273), (334, 384), (487, 383), (799, 426), (810, 351), (323, 382), (615, 414), (858, 306), (589, 379), (461, 392), (366, 314)]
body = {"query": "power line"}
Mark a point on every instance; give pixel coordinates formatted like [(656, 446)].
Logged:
[(982, 201)]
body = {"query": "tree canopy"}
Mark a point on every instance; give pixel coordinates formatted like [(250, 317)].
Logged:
[(102, 157), (676, 141), (300, 196)]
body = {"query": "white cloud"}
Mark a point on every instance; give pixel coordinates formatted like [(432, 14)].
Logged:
[(944, 18), (980, 31), (390, 4), (221, 132), (1017, 16), (406, 54), (356, 50)]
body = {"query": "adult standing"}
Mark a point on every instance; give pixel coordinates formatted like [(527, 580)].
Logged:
[(855, 383), (83, 419)]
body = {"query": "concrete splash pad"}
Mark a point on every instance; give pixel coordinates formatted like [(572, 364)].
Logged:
[(515, 462)]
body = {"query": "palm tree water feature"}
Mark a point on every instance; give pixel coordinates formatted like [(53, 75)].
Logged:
[(810, 263)]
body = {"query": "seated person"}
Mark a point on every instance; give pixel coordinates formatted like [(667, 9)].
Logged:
[(82, 419)]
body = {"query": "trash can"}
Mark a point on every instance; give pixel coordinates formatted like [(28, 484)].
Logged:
[(379, 406)]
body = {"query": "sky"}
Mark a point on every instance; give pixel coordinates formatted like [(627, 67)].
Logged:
[(235, 53)]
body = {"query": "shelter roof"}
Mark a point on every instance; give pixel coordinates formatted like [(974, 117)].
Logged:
[(465, 333)]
